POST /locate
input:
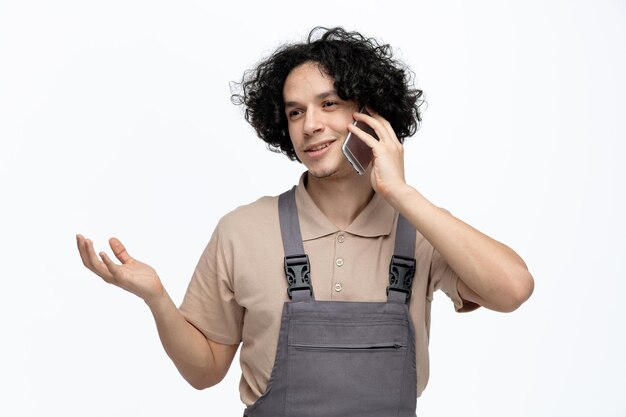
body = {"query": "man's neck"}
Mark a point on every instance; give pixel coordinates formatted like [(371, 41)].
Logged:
[(341, 199)]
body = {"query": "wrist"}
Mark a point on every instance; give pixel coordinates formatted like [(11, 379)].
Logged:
[(158, 301), (398, 194)]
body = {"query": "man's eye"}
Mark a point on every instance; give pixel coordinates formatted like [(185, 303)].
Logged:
[(294, 113), (330, 103)]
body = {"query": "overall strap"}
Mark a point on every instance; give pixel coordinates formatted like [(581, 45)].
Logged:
[(402, 266), (297, 265)]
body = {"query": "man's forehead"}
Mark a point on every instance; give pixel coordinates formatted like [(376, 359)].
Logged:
[(308, 79)]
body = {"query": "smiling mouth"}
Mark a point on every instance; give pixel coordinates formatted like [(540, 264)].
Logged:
[(319, 147)]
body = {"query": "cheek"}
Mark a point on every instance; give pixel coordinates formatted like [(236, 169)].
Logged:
[(292, 133), (342, 124), (347, 116), (295, 139)]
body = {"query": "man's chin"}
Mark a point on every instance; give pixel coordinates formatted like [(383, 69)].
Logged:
[(322, 173), (332, 173)]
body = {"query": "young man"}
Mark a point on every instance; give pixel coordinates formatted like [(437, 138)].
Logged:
[(302, 281)]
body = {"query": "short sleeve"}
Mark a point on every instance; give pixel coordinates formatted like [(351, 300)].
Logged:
[(443, 277), (209, 303)]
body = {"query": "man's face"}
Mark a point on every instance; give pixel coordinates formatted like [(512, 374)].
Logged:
[(318, 120)]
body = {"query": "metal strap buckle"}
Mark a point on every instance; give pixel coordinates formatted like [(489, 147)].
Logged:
[(297, 270), (401, 272)]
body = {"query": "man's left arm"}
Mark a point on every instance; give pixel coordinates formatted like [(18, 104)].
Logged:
[(491, 274)]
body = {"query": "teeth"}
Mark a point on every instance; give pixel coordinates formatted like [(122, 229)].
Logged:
[(319, 147)]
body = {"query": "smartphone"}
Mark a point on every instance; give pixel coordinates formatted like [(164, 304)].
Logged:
[(356, 151)]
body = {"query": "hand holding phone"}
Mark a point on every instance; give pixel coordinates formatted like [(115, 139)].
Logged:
[(356, 151)]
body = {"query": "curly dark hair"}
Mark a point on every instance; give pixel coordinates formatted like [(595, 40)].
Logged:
[(363, 71)]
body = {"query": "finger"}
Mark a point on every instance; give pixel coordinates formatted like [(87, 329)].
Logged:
[(381, 132), (119, 250), (368, 139), (97, 266), (82, 251), (110, 265), (371, 111), (387, 126)]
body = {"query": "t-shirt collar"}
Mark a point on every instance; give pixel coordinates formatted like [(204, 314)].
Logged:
[(376, 219)]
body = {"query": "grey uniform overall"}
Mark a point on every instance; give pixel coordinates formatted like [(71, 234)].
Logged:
[(339, 358)]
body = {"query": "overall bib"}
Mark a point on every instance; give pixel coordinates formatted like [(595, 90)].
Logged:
[(339, 358)]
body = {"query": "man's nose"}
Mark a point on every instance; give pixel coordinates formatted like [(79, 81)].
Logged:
[(313, 122)]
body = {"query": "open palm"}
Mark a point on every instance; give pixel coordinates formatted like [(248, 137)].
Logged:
[(132, 275)]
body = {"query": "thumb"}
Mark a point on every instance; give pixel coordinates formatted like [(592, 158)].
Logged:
[(119, 250)]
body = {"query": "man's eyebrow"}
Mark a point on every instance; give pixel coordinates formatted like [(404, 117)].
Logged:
[(320, 96)]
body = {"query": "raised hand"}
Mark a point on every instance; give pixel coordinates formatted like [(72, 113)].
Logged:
[(132, 275), (388, 153)]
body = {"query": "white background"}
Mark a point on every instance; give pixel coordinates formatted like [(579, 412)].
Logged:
[(115, 120)]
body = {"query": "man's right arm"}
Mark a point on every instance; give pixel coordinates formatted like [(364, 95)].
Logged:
[(202, 362)]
